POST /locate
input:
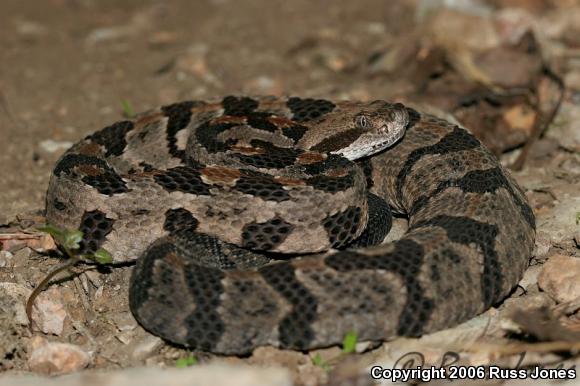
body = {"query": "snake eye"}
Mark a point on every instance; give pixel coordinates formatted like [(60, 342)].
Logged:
[(362, 121)]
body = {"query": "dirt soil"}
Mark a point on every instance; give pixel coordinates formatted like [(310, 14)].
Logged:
[(70, 67)]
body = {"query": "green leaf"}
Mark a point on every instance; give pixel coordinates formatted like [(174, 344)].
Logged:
[(317, 360), (68, 239), (72, 239), (102, 256), (56, 233), (349, 342), (127, 109), (577, 218), (186, 362)]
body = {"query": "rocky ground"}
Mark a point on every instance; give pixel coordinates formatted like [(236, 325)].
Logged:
[(70, 67)]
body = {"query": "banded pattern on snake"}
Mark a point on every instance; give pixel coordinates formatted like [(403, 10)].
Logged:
[(259, 221)]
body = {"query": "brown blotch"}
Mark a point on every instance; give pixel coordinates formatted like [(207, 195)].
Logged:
[(229, 119), (90, 148), (281, 122), (203, 108), (311, 157), (139, 175), (147, 119), (90, 170), (289, 181), (216, 174), (336, 172), (248, 150)]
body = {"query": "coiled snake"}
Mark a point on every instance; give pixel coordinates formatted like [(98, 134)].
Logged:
[(258, 221)]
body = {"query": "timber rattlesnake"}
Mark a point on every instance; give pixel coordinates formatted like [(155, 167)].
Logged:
[(205, 194)]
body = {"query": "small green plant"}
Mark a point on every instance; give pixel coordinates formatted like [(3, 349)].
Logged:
[(69, 243), (127, 109), (577, 218), (348, 347), (318, 361), (186, 362), (102, 256), (349, 342)]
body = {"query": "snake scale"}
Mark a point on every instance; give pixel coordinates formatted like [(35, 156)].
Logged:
[(259, 221)]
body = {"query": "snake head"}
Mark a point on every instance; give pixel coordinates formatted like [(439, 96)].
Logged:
[(379, 125)]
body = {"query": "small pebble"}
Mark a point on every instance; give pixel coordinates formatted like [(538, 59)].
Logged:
[(5, 259), (559, 278), (52, 146), (49, 313), (146, 347), (54, 358)]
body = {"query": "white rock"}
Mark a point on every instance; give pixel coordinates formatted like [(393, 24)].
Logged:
[(146, 347), (49, 313), (559, 278), (56, 358), (565, 127), (559, 224), (52, 146), (29, 28), (124, 321), (6, 259)]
